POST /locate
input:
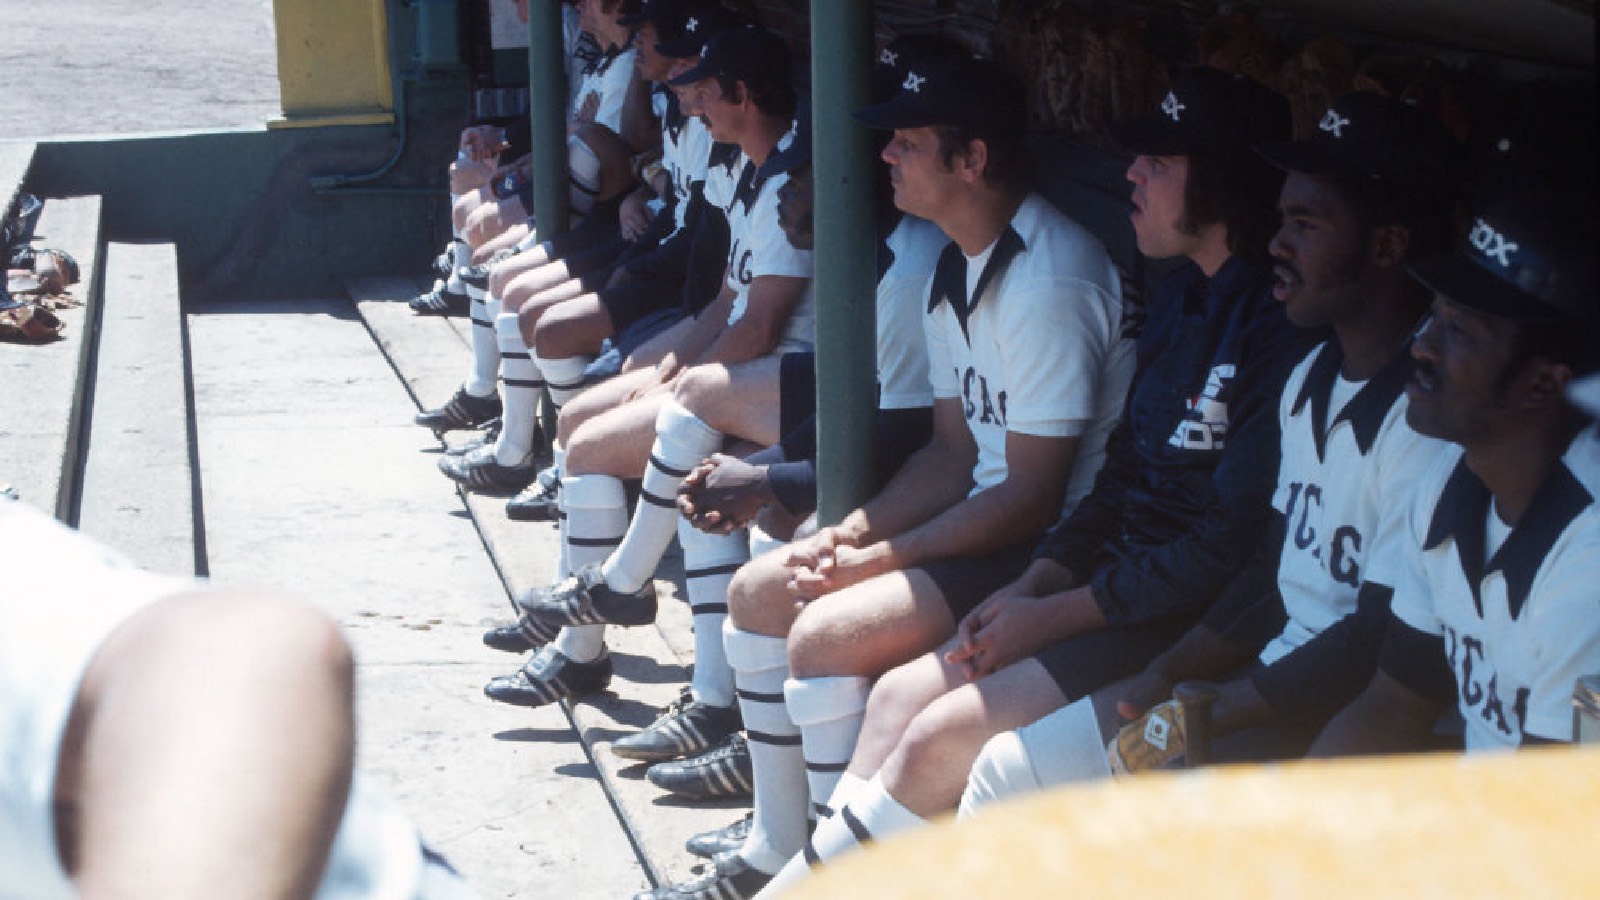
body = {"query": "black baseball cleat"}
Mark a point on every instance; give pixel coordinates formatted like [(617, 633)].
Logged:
[(549, 677), (520, 636), (480, 471), (721, 773), (585, 599), (464, 411), (541, 502), (488, 434), (714, 843), (441, 301), (443, 262), (686, 727), (730, 878)]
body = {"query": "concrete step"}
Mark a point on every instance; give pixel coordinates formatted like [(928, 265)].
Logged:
[(138, 478), (41, 418), (430, 355), (15, 159)]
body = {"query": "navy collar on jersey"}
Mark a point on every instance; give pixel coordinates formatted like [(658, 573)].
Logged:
[(950, 276), (603, 60), (1461, 514), (1366, 410), (750, 184)]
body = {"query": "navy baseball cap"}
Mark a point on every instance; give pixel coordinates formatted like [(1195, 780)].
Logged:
[(1207, 110), (744, 54), (890, 66), (953, 90), (1369, 136), (1528, 257), (668, 15), (699, 26)]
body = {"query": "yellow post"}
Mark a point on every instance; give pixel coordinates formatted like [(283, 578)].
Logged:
[(333, 63)]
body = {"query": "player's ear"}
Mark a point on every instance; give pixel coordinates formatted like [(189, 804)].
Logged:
[(1389, 246), (974, 161), (1546, 383)]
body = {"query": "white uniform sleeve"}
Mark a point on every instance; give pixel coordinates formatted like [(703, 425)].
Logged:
[(1403, 459), (1413, 595), (1286, 398), (1056, 342), (941, 371), (902, 347), (1566, 624), (770, 250)]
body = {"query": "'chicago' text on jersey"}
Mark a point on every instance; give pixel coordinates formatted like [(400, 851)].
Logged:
[(1338, 554), (976, 401), (1205, 425), (1479, 685)]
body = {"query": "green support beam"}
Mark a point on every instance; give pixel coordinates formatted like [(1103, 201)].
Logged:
[(846, 242), (547, 107)]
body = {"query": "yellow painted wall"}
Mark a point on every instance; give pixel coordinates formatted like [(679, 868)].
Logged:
[(333, 62)]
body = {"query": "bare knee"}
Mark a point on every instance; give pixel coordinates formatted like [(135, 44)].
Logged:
[(945, 735), (758, 596), (701, 389)]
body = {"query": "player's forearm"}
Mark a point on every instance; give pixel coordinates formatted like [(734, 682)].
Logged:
[(1009, 513), (934, 479), (749, 338)]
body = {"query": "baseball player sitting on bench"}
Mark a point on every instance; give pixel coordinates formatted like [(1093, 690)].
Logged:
[(1028, 376), (1173, 517), (1495, 610), (1366, 193)]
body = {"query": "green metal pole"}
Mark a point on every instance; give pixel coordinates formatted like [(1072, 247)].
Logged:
[(547, 107), (842, 161)]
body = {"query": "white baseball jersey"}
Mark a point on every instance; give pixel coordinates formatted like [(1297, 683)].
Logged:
[(758, 247), (685, 154), (1342, 468), (608, 79), (1041, 351), (64, 596), (1521, 624), (901, 301)]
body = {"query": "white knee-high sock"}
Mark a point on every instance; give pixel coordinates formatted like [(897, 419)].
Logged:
[(565, 377), (564, 560), (760, 667), (872, 815), (682, 441), (597, 512), (761, 543), (485, 348), (829, 712), (520, 375), (709, 561), (1064, 747)]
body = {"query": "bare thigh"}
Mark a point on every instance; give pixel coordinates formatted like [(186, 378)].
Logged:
[(532, 282), (573, 326), (927, 770), (652, 351), (740, 399), (501, 275), (869, 628), (616, 442), (603, 397)]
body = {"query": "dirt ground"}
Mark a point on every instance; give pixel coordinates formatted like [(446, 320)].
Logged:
[(119, 66)]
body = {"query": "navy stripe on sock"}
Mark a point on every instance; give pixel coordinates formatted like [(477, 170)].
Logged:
[(708, 571), (862, 835), (522, 382), (593, 542), (823, 810), (810, 851), (565, 385), (505, 355), (708, 609), (758, 697), (826, 767), (779, 740), (482, 324), (675, 473), (654, 500)]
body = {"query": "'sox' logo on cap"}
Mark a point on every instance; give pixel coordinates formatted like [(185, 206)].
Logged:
[(888, 57), (1491, 243), (914, 82), (692, 25), (1333, 123), (1172, 107)]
